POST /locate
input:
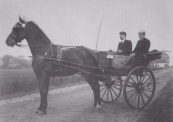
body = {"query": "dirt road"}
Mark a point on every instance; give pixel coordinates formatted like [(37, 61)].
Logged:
[(77, 106)]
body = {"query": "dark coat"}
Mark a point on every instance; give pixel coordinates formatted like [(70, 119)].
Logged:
[(126, 47), (142, 46)]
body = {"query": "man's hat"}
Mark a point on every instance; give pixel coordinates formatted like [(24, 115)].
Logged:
[(122, 32), (141, 32)]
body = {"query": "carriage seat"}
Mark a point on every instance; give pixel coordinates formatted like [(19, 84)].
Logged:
[(121, 61), (127, 62)]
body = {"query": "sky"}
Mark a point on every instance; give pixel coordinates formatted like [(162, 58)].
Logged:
[(76, 22)]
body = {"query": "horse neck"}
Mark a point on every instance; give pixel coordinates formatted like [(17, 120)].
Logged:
[(38, 42)]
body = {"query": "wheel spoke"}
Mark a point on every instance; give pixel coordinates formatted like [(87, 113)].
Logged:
[(115, 87), (132, 79), (130, 86), (138, 99), (130, 90), (140, 79), (129, 82), (114, 91), (107, 94), (142, 99), (143, 79), (104, 93), (132, 95), (102, 85), (145, 94), (148, 90), (147, 85), (111, 94), (137, 79), (103, 88), (147, 80), (134, 98)]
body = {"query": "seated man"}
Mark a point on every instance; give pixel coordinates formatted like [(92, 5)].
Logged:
[(125, 46), (142, 46)]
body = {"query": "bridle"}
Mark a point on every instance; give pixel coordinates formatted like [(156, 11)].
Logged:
[(15, 36)]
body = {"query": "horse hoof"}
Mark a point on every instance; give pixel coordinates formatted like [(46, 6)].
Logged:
[(97, 108), (39, 112)]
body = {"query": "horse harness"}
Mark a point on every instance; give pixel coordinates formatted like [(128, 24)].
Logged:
[(59, 56)]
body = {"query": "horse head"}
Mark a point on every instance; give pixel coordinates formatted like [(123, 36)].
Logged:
[(18, 33)]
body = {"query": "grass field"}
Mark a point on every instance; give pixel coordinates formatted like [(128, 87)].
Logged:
[(24, 80)]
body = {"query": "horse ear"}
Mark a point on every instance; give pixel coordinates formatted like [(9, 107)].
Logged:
[(21, 20)]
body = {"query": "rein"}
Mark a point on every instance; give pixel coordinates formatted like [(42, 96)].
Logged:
[(49, 47), (61, 46)]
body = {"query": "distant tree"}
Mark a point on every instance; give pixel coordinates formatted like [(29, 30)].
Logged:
[(29, 63), (22, 61), (21, 57), (6, 60)]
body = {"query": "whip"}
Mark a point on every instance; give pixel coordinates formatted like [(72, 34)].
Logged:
[(100, 28)]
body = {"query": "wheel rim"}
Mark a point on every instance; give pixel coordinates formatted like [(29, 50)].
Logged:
[(139, 88), (111, 89)]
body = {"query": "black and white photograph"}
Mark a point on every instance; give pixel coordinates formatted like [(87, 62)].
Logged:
[(86, 61)]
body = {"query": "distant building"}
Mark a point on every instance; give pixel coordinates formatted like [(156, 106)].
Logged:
[(163, 62)]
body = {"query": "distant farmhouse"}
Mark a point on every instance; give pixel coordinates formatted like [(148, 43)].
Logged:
[(163, 62)]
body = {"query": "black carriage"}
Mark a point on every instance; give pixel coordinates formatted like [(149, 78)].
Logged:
[(129, 74)]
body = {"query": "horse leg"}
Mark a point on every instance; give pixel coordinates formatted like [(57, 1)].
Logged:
[(43, 82), (93, 82), (97, 92)]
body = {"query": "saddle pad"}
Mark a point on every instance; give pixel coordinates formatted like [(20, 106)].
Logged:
[(120, 61), (60, 51)]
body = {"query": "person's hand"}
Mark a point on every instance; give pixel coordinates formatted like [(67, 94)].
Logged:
[(132, 54), (119, 51)]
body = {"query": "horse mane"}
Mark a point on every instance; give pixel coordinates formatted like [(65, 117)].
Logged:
[(40, 33)]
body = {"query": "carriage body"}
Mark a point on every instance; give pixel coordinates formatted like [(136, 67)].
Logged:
[(134, 78), (106, 59)]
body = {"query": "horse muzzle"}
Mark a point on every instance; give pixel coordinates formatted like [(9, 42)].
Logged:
[(10, 41)]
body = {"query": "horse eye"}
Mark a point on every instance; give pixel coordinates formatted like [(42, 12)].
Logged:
[(15, 29)]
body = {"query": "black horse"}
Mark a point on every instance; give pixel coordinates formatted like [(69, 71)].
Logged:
[(39, 45)]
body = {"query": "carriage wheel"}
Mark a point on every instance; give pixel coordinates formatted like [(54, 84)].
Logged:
[(111, 89), (139, 87)]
